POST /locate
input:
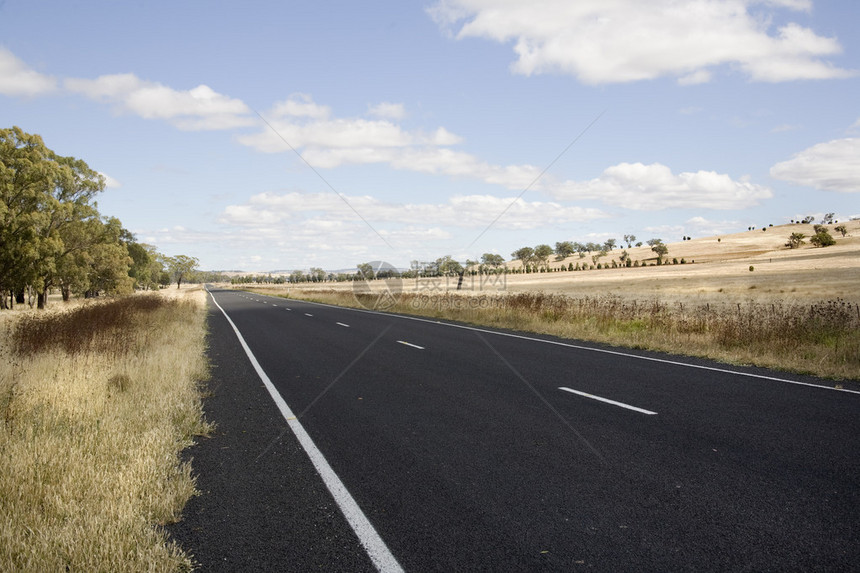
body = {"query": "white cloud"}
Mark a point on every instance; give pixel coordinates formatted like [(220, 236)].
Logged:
[(466, 211), (300, 105), (609, 41), (200, 108), (389, 110), (653, 187), (16, 79), (831, 166)]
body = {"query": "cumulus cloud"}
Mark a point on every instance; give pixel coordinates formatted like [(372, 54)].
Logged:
[(389, 110), (465, 211), (300, 105), (830, 166), (629, 40), (200, 108), (16, 79), (653, 187)]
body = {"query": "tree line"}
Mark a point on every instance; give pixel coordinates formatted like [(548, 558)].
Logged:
[(52, 236)]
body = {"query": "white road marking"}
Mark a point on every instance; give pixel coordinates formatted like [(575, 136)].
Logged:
[(376, 548), (608, 401), (342, 324), (308, 314), (410, 344)]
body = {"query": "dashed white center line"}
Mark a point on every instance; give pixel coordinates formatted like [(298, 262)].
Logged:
[(308, 314), (410, 344), (608, 401), (342, 324)]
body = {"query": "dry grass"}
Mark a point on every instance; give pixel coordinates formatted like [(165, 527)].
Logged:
[(95, 406)]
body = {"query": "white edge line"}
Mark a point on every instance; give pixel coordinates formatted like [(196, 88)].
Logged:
[(579, 347), (376, 548), (342, 324), (608, 401), (410, 344)]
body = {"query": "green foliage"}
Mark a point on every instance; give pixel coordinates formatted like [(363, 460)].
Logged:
[(524, 255), (658, 247), (493, 260), (542, 254), (563, 250), (180, 267), (822, 239), (51, 233), (795, 240), (841, 229)]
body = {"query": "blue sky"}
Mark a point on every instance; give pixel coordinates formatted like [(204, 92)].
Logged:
[(443, 127)]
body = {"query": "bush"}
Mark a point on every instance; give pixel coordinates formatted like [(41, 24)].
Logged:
[(752, 268), (822, 239)]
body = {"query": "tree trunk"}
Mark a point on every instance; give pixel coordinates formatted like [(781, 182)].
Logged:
[(41, 300), (20, 297), (66, 290)]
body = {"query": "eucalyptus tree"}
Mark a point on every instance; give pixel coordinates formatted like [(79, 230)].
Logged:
[(542, 253), (524, 255), (180, 267), (42, 194), (563, 250)]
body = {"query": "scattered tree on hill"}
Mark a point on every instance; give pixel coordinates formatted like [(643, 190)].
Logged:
[(524, 255), (841, 229), (828, 219), (447, 266), (808, 219), (492, 260), (822, 239), (608, 245), (795, 240), (658, 247), (629, 240), (542, 254), (563, 250)]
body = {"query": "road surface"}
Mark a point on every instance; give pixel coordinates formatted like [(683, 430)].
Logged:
[(461, 449)]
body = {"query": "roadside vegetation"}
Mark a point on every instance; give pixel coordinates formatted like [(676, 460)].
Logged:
[(822, 339), (96, 404)]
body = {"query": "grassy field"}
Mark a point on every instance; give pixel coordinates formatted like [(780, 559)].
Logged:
[(797, 309), (96, 403)]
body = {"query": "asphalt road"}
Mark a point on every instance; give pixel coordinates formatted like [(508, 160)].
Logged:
[(467, 450)]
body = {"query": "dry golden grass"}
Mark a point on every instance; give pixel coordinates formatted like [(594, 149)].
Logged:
[(90, 440)]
